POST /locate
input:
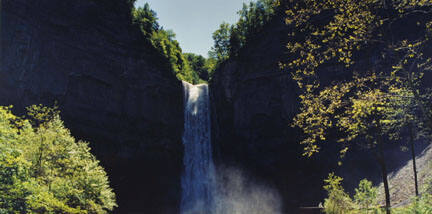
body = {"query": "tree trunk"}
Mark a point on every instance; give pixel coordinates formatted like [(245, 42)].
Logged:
[(382, 163), (417, 97), (413, 159)]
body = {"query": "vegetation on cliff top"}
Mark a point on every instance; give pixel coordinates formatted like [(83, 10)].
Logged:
[(230, 39), (43, 169), (188, 67)]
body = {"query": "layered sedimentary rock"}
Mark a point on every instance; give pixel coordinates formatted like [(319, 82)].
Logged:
[(112, 87)]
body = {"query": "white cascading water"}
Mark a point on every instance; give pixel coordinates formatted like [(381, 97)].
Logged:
[(198, 180), (204, 192)]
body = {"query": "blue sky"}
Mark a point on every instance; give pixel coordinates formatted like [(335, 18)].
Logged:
[(194, 21)]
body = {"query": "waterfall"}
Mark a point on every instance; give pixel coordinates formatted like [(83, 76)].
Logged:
[(198, 179), (204, 192)]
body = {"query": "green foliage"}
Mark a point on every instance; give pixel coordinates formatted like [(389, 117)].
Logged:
[(345, 32), (365, 199), (421, 205), (366, 195), (381, 94), (338, 200), (210, 66), (40, 114), (200, 65), (253, 18), (372, 105), (14, 168), (45, 170), (229, 39), (164, 41), (146, 19), (221, 37), (428, 186)]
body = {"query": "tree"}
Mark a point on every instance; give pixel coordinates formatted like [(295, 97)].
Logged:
[(146, 19), (164, 41), (210, 66), (14, 168), (338, 200), (229, 39), (198, 65), (360, 103), (45, 170), (221, 37), (365, 195)]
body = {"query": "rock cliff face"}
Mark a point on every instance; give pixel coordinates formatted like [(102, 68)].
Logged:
[(253, 103), (111, 85)]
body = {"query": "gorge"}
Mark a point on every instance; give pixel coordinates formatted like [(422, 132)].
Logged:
[(169, 146)]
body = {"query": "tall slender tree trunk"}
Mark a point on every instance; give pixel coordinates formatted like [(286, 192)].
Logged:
[(411, 132), (383, 165), (417, 97)]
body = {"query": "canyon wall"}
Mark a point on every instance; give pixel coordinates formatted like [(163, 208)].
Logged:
[(112, 87), (253, 104), (116, 91)]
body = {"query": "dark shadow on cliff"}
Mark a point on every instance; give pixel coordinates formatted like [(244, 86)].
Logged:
[(113, 88), (253, 103)]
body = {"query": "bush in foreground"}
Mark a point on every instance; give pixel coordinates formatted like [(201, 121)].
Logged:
[(365, 199), (43, 169)]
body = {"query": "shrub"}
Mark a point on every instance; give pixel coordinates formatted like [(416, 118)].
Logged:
[(366, 195), (338, 200), (420, 205), (43, 169)]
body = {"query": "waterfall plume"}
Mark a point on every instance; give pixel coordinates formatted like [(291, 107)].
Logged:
[(198, 188), (229, 191)]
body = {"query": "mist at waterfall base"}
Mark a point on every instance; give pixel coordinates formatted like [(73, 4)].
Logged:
[(207, 189)]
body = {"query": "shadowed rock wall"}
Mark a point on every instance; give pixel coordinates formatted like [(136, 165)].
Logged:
[(253, 104), (112, 87)]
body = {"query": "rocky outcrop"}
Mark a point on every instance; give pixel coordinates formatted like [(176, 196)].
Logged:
[(253, 104), (112, 86)]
